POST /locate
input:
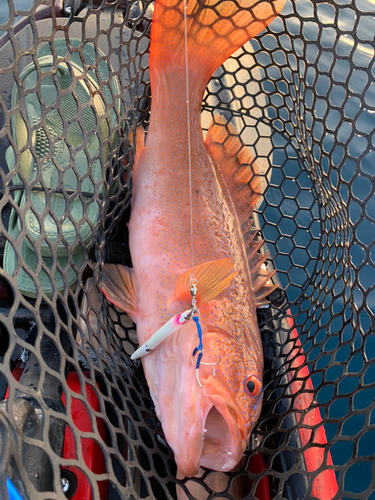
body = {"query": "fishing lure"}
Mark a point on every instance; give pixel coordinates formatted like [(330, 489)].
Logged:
[(172, 326), (165, 331)]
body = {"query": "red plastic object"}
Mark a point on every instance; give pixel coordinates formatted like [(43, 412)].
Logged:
[(91, 450), (256, 466), (17, 372), (325, 484)]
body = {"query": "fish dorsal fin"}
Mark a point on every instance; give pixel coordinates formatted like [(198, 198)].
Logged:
[(236, 165), (212, 278), (259, 276), (261, 286), (240, 175), (119, 287)]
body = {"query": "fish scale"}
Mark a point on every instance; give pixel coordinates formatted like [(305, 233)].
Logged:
[(160, 243)]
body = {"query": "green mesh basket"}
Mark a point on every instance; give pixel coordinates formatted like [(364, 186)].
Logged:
[(65, 138)]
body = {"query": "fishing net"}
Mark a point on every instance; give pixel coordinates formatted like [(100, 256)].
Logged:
[(76, 418)]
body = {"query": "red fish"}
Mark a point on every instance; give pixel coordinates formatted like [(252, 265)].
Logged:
[(207, 420)]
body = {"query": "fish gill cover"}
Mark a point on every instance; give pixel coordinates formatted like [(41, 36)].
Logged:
[(76, 417)]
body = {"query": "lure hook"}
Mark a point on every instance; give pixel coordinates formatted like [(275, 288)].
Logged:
[(205, 364)]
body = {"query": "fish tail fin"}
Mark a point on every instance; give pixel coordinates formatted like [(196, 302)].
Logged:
[(215, 30)]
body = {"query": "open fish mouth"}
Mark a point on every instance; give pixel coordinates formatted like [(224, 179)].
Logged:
[(215, 433), (215, 441), (222, 440)]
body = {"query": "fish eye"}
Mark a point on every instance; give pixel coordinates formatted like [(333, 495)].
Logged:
[(253, 386)]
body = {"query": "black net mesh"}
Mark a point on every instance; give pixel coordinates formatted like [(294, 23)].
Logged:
[(76, 418)]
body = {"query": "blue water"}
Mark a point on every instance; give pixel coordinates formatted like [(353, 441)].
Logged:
[(290, 223), (19, 5)]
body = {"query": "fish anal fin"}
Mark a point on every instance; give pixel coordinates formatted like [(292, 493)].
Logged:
[(236, 165), (212, 278), (119, 287), (141, 139), (140, 147)]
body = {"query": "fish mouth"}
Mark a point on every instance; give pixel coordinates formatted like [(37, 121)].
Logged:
[(224, 428), (222, 439), (215, 433), (217, 441), (204, 426)]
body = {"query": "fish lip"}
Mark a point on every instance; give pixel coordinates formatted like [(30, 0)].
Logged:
[(199, 451)]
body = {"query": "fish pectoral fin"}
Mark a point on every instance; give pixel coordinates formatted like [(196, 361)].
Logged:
[(212, 278), (119, 287)]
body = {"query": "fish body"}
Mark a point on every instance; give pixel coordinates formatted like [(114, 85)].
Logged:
[(185, 221)]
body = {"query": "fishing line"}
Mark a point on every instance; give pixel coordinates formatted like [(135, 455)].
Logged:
[(193, 282), (193, 290), (188, 130)]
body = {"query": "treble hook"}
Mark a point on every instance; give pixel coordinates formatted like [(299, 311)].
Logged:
[(205, 364)]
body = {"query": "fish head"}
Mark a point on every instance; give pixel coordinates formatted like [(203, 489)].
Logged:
[(208, 413)]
